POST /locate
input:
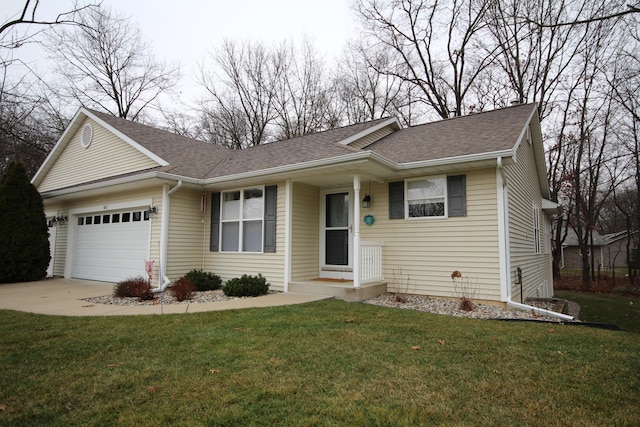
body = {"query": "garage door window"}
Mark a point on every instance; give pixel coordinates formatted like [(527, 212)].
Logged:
[(136, 216)]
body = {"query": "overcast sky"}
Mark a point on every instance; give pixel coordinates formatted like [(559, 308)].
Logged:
[(184, 31)]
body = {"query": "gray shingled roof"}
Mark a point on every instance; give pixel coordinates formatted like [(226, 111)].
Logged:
[(474, 134), (461, 136), (317, 146), (186, 156)]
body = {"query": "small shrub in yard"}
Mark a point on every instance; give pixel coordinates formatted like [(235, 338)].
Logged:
[(182, 289), (204, 280), (136, 287), (246, 286)]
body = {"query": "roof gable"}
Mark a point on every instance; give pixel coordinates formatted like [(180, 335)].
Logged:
[(497, 131), (75, 160)]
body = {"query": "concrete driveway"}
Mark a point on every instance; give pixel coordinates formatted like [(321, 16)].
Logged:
[(64, 297)]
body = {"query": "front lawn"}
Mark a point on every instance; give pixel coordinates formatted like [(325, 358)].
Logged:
[(619, 310), (325, 363)]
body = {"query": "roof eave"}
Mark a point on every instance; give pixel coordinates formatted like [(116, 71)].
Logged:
[(120, 181)]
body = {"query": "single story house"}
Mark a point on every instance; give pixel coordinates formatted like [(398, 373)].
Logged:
[(571, 255), (366, 205), (610, 250), (615, 250)]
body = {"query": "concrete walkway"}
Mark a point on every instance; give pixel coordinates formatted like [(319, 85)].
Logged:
[(64, 297)]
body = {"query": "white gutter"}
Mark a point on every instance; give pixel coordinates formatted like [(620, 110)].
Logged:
[(164, 236), (119, 181)]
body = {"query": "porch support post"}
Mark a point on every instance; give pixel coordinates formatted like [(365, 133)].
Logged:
[(356, 231), (287, 234)]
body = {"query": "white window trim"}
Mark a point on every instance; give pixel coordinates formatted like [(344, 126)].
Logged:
[(423, 218), (242, 220)]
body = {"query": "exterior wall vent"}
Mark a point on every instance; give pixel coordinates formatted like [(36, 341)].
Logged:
[(86, 136)]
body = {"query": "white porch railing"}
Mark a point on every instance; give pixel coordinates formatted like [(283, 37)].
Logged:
[(370, 261)]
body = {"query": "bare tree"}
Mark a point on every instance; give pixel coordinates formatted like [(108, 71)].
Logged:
[(597, 16), (104, 63), (434, 45), (535, 60), (365, 94), (242, 92), (592, 139), (302, 96), (27, 131)]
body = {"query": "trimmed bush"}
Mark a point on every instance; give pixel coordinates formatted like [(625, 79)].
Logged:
[(246, 286), (204, 280), (134, 287), (24, 251), (182, 289)]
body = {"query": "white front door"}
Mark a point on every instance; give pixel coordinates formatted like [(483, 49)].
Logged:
[(336, 235)]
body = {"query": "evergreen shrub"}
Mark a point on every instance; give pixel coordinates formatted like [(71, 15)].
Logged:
[(246, 286), (24, 249), (204, 280)]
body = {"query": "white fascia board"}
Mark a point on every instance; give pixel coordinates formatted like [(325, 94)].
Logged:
[(369, 130), (119, 181), (538, 150), (457, 159), (128, 140), (313, 164)]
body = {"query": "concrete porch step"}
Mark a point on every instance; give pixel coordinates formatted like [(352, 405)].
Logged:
[(342, 290)]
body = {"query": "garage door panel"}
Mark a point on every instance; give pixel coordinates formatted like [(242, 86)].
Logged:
[(111, 250)]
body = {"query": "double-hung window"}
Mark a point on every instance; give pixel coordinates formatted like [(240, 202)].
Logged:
[(426, 197), (242, 220), (538, 241)]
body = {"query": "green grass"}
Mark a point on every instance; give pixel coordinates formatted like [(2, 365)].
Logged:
[(618, 310), (325, 363)]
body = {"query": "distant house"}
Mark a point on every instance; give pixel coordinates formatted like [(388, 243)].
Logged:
[(572, 256), (615, 250), (353, 205), (610, 250)]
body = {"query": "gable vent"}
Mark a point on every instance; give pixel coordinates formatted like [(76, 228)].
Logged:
[(86, 136)]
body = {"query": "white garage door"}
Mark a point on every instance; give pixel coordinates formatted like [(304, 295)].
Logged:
[(111, 246)]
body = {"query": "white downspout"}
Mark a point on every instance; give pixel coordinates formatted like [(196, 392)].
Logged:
[(503, 233), (356, 227), (505, 259), (164, 235)]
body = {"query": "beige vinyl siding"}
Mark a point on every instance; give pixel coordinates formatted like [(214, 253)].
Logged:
[(305, 234), (427, 251), (106, 156), (228, 265), (102, 203), (186, 233), (524, 195), (371, 138)]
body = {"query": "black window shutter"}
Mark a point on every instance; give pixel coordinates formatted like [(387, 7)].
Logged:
[(270, 210), (457, 195), (214, 241), (396, 200)]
